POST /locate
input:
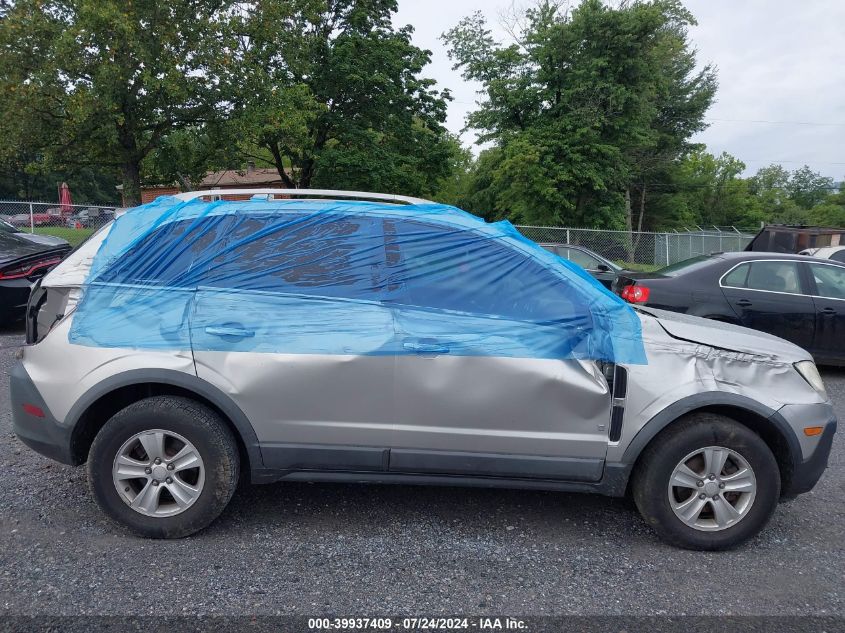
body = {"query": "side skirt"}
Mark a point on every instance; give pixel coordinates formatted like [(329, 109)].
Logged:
[(613, 484)]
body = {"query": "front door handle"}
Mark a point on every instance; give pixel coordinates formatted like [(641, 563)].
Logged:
[(229, 330), (744, 303), (827, 311), (420, 347)]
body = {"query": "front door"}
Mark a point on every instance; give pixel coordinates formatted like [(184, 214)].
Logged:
[(480, 385), (829, 301)]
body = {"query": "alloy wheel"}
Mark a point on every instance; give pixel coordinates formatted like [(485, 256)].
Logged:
[(158, 473), (712, 489)]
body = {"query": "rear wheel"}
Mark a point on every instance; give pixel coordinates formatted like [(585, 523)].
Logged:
[(707, 482), (165, 467)]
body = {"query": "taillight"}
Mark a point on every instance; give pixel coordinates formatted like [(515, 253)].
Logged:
[(635, 294), (26, 270), (33, 410)]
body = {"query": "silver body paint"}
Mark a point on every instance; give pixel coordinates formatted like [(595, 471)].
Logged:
[(690, 356)]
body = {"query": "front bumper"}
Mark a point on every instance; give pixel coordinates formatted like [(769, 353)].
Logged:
[(806, 473), (809, 454), (42, 434)]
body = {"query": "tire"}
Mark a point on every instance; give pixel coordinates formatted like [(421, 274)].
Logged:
[(202, 486), (694, 437)]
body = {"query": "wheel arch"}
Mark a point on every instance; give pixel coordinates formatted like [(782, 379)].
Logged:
[(96, 406), (765, 422)]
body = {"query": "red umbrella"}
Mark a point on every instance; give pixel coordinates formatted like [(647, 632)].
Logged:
[(64, 199)]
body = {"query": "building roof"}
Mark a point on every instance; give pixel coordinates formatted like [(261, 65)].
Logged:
[(250, 177)]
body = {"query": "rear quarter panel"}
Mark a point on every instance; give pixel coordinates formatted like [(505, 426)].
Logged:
[(63, 372)]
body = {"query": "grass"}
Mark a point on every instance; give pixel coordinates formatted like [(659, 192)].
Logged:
[(73, 236), (640, 268)]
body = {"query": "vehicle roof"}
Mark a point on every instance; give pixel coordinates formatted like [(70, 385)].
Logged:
[(751, 255), (825, 250)]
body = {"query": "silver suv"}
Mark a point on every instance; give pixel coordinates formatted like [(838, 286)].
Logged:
[(341, 336)]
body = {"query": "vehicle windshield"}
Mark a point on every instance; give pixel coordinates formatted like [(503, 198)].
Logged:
[(612, 265), (685, 266), (8, 228)]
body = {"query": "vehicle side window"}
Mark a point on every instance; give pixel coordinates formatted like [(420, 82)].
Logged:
[(312, 254), (177, 254), (585, 261), (454, 269), (839, 256), (737, 277), (830, 281), (774, 276), (301, 254), (558, 250)]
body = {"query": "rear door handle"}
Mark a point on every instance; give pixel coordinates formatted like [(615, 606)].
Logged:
[(229, 330), (419, 347), (827, 311), (743, 303)]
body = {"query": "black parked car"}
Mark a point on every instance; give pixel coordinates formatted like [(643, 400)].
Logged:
[(22, 263), (38, 238), (602, 269), (799, 298)]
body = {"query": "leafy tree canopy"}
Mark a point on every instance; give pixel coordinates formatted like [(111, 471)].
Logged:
[(332, 93), (584, 109), (102, 83)]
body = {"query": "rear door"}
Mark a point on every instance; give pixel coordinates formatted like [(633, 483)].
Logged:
[(769, 295), (288, 324), (829, 299)]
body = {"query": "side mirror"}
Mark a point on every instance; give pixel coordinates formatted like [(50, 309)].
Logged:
[(603, 268)]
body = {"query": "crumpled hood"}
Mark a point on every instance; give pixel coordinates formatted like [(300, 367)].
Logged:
[(726, 336)]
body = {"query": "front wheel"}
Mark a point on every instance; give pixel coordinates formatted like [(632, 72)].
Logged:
[(165, 467), (707, 483)]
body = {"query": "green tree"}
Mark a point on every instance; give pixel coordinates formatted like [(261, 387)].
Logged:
[(26, 177), (585, 109), (102, 83), (706, 190), (455, 185), (831, 212), (808, 188), (332, 93), (791, 197), (185, 156)]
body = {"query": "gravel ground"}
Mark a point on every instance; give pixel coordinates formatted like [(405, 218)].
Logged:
[(369, 550)]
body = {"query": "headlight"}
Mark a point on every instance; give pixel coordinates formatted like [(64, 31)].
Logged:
[(808, 371)]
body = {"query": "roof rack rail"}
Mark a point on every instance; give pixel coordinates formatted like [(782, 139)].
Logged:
[(301, 193)]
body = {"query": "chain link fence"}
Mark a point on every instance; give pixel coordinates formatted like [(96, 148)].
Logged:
[(75, 222), (642, 249), (71, 222)]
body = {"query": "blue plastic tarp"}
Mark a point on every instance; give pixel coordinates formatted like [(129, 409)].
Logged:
[(343, 277)]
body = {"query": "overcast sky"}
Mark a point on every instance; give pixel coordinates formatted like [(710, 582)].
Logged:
[(781, 70)]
